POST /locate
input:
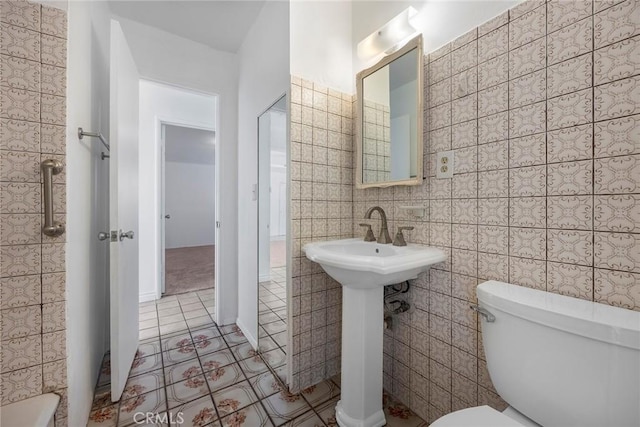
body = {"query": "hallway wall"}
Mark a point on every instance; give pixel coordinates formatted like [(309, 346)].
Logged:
[(173, 60), (190, 200), (159, 102)]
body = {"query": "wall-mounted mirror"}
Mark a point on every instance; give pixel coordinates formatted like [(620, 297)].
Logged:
[(389, 120), (272, 236)]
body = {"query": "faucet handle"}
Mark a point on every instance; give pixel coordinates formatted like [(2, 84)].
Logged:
[(399, 240), (369, 236)]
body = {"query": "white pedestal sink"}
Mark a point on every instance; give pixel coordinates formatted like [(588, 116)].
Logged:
[(363, 269)]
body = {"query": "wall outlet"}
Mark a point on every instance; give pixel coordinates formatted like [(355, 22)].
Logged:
[(444, 164)]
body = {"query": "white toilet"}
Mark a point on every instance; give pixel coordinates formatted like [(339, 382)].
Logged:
[(556, 360), (36, 411)]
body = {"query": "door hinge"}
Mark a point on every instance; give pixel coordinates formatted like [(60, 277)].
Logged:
[(217, 224)]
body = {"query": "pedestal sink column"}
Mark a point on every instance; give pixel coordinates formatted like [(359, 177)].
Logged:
[(362, 333)]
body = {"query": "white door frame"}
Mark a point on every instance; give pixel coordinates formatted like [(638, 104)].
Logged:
[(160, 136)]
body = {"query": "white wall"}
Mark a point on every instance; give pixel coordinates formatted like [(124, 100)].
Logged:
[(160, 102), (190, 199), (87, 203), (263, 78), (438, 21), (167, 58), (320, 40)]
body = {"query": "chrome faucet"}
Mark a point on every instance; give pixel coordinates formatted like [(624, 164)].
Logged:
[(384, 230)]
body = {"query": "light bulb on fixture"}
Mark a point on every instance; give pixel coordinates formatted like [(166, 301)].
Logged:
[(389, 37)]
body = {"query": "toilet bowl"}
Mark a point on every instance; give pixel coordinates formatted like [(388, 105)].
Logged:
[(556, 360), (484, 416), (36, 411)]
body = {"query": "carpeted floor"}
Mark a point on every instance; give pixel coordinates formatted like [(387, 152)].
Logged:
[(192, 269), (189, 269)]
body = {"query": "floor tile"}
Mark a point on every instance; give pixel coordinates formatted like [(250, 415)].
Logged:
[(199, 412), (198, 322), (275, 358), (149, 333), (165, 320), (101, 397), (174, 327), (233, 398), (178, 355), (308, 419), (251, 416), (320, 393), (106, 416), (151, 347), (327, 412), (205, 333), (186, 391), (211, 345), (182, 371), (186, 369), (176, 341), (217, 359), (146, 363), (154, 401), (253, 366), (265, 384), (144, 383), (224, 376), (283, 406)]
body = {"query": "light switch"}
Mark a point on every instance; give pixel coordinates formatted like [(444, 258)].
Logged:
[(444, 164)]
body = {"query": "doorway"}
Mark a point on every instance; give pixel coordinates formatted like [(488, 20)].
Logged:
[(189, 198)]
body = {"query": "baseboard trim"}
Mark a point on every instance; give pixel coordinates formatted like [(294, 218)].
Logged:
[(148, 296), (252, 340), (264, 278)]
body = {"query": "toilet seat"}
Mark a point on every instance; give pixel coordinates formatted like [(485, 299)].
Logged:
[(479, 416)]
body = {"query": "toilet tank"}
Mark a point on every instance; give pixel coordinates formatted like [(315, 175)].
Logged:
[(562, 361)]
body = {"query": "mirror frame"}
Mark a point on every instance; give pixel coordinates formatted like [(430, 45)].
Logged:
[(415, 43)]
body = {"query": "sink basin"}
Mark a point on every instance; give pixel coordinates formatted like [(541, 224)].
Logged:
[(358, 264), (363, 269)]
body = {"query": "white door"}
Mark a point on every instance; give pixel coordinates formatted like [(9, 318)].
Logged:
[(123, 209)]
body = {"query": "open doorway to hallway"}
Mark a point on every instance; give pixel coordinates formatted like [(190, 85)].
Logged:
[(189, 209)]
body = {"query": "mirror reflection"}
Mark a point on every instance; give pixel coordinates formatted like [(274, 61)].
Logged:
[(390, 124), (272, 236)]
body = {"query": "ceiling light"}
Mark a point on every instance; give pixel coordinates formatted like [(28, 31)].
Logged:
[(389, 37)]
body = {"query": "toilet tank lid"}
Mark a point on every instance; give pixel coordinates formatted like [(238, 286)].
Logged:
[(590, 319)]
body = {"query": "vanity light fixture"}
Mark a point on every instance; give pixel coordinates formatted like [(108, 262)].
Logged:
[(390, 36)]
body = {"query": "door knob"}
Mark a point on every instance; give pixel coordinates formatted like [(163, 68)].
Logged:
[(128, 235), (167, 216), (103, 235)]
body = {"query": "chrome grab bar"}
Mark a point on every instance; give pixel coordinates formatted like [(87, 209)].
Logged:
[(483, 312), (49, 168)]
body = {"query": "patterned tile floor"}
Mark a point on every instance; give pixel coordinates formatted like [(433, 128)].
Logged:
[(190, 372), (272, 316)]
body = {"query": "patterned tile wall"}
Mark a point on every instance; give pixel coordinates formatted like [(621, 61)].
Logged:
[(542, 108), (321, 209), (376, 145), (32, 266)]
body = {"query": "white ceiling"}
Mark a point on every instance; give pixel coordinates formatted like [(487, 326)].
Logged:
[(188, 145), (219, 24)]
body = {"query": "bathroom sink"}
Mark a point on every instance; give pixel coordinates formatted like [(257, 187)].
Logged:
[(363, 269), (359, 264)]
